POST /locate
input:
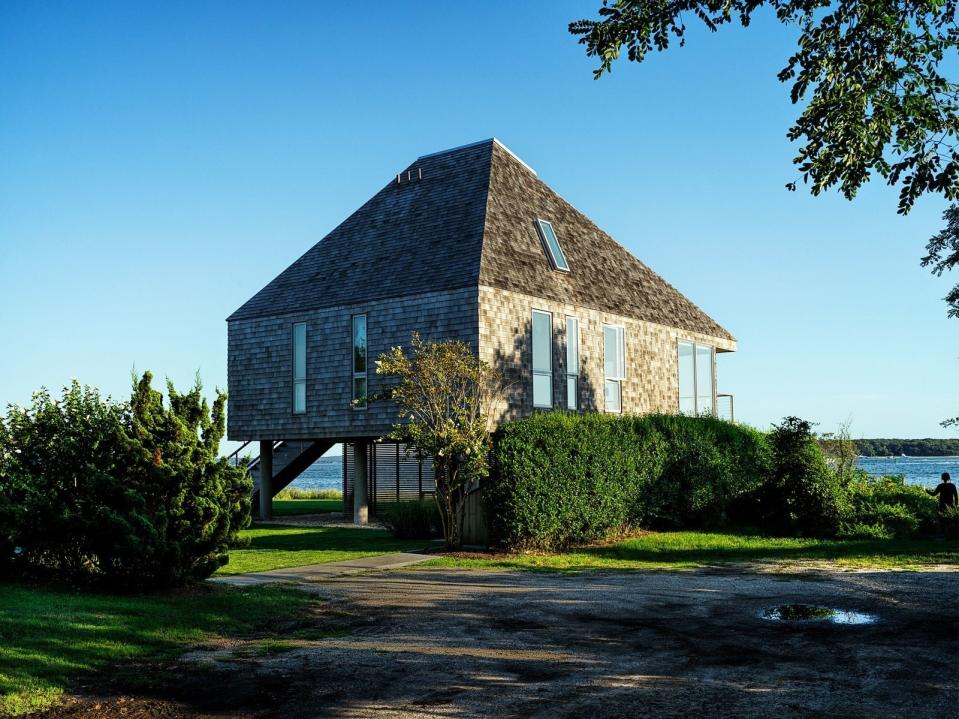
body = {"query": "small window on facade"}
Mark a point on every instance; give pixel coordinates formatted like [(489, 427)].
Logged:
[(542, 359), (696, 378), (572, 362), (555, 252), (614, 365), (299, 368), (359, 361)]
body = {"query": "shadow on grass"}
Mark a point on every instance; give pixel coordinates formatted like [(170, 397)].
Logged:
[(50, 638), (289, 538)]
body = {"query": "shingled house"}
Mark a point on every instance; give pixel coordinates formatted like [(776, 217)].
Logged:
[(470, 244)]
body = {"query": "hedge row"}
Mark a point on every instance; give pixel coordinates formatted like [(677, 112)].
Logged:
[(562, 479)]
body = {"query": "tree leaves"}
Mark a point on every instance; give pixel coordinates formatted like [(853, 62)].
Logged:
[(868, 71)]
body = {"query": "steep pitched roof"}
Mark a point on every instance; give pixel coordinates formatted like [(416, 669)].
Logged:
[(470, 221), (603, 274), (416, 236)]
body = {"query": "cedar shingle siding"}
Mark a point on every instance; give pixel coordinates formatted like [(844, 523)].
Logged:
[(454, 254)]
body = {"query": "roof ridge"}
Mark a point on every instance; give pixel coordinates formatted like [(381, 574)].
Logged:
[(490, 141)]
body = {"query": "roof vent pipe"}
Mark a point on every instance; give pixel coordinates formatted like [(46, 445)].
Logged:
[(410, 176)]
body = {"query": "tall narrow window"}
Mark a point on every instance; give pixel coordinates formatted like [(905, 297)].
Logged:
[(687, 378), (572, 362), (696, 378), (359, 361), (551, 243), (704, 379), (542, 359), (299, 368), (614, 364)]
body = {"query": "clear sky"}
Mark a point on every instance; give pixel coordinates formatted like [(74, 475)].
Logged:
[(160, 163)]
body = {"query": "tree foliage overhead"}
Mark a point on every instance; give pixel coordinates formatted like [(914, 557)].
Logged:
[(869, 72), (942, 253)]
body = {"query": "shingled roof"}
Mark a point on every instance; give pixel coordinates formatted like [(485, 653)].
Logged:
[(466, 217)]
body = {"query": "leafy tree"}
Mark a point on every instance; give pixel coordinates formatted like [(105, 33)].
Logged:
[(840, 451), (445, 395), (876, 100), (943, 254)]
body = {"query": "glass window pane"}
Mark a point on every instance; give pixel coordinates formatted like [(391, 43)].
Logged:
[(609, 351), (552, 245), (687, 399), (572, 345), (299, 350), (571, 385), (542, 342), (704, 380), (359, 389), (614, 364), (542, 390), (299, 396), (359, 343), (612, 395)]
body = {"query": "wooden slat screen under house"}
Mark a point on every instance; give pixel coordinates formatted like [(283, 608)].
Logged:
[(393, 476)]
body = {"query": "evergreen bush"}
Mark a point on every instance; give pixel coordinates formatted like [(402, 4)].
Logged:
[(802, 496), (131, 495)]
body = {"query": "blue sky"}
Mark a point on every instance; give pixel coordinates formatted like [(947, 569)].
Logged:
[(159, 164)]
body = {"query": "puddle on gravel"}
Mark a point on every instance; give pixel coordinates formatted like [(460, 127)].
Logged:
[(813, 613)]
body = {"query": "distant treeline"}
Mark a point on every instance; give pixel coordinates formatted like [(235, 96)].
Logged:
[(908, 447)]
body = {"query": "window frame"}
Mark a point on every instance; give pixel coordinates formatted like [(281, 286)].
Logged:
[(696, 346), (621, 361), (572, 375), (532, 351), (541, 226), (364, 375), (298, 381)]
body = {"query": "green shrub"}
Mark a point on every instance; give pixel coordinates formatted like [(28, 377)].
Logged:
[(563, 479), (949, 522), (888, 504), (709, 463), (411, 520), (802, 496), (126, 494)]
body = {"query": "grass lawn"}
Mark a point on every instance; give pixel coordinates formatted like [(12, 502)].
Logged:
[(687, 550), (49, 638), (278, 546), (289, 507)]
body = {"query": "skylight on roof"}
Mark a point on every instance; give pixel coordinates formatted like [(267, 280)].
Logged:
[(553, 250)]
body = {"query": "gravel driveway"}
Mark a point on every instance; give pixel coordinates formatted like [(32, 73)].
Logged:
[(455, 643)]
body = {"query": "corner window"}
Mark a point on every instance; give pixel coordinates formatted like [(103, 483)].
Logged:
[(572, 362), (359, 361), (299, 368), (551, 243), (542, 359), (696, 375), (614, 367)]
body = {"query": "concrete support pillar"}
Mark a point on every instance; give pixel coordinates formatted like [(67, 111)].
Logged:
[(266, 479), (361, 512)]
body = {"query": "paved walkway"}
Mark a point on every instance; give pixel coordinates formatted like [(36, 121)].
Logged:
[(319, 572)]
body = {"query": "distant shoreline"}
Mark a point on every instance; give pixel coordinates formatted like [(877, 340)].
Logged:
[(928, 447)]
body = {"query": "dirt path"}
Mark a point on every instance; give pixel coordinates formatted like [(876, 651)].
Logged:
[(446, 643)]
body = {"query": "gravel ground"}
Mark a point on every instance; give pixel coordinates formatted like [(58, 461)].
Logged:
[(456, 643)]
